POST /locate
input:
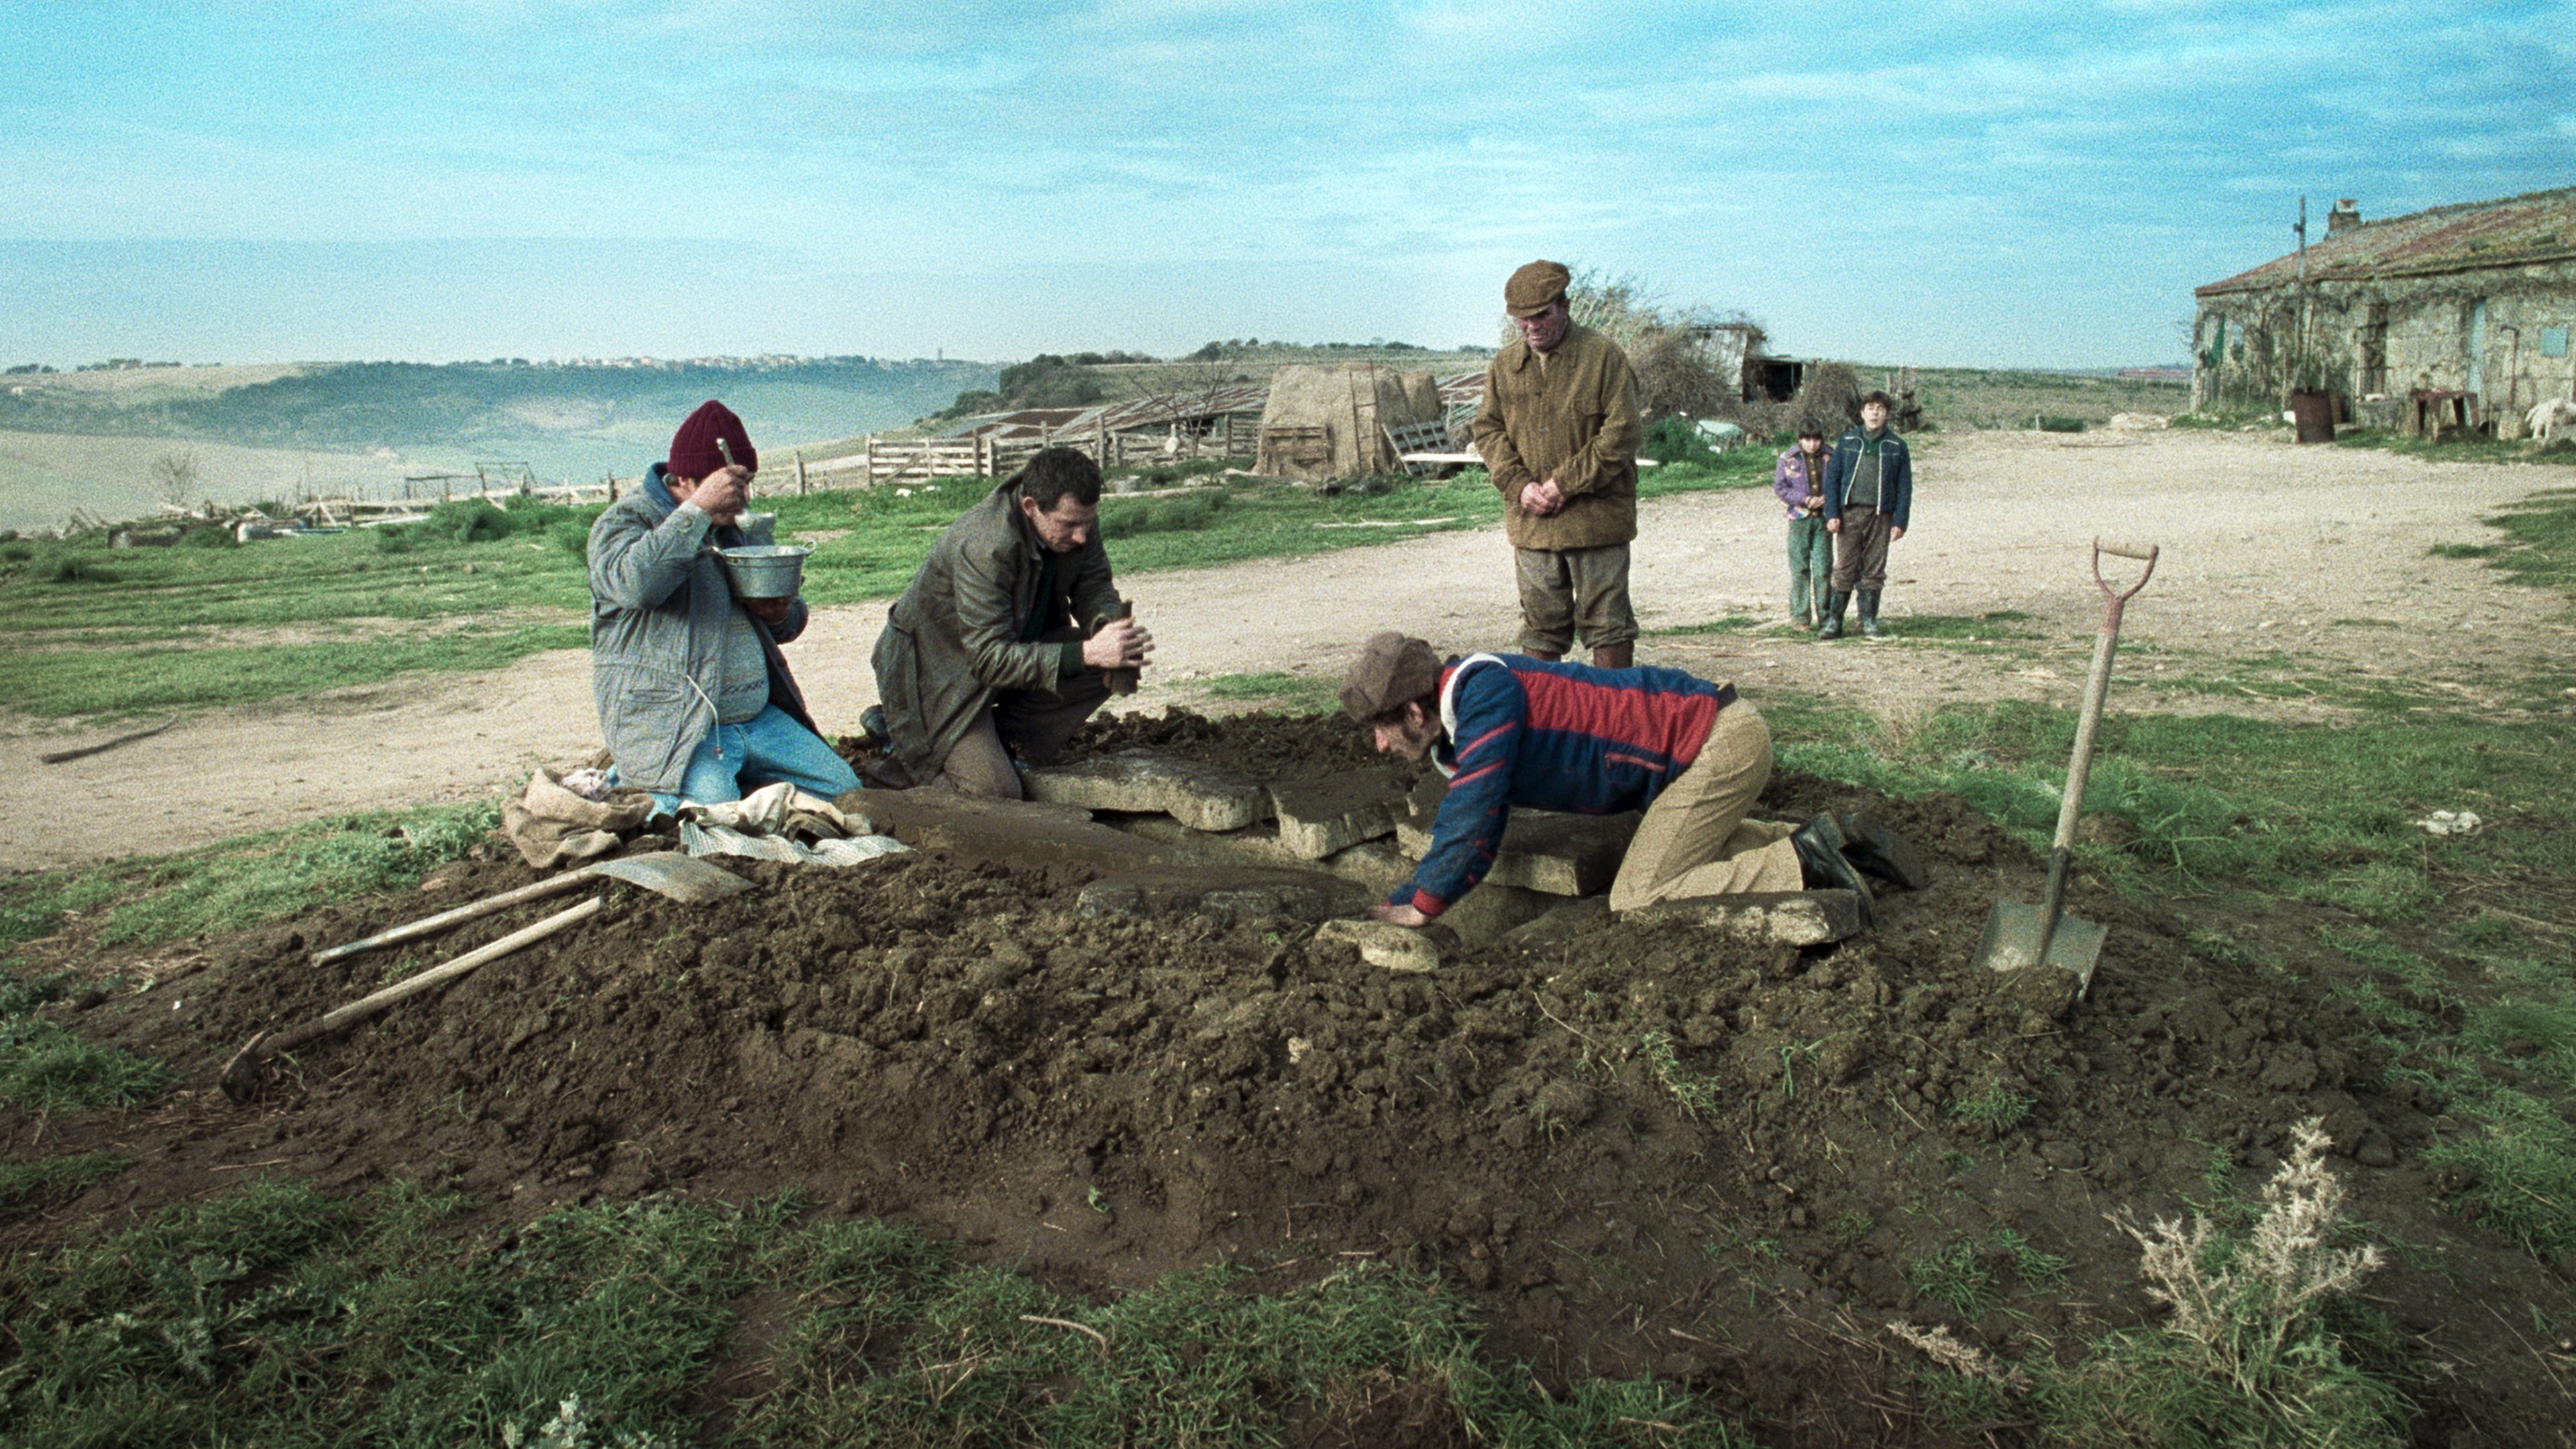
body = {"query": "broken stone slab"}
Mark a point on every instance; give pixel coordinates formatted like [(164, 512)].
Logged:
[(1486, 914), (1320, 817), (1376, 864), (1563, 922), (1384, 944), (1778, 918), (1561, 855), (1200, 796)]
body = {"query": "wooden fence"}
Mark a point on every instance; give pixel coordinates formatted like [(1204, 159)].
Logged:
[(897, 460)]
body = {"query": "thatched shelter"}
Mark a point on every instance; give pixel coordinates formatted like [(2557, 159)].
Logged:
[(1331, 422)]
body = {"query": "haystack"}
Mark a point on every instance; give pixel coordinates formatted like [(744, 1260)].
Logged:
[(1331, 422)]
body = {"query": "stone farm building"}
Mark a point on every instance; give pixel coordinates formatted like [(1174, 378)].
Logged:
[(2458, 314)]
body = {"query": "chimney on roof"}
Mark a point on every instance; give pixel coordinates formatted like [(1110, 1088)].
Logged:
[(2347, 212)]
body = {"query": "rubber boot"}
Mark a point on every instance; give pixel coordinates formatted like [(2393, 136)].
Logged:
[(1834, 603), (1876, 850), (1823, 866), (1869, 615), (1615, 656)]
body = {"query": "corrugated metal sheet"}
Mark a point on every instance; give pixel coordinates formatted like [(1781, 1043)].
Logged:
[(2516, 231)]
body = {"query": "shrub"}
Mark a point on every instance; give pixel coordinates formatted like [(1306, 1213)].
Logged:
[(468, 520), (1828, 400), (2249, 1355), (69, 570), (1677, 440)]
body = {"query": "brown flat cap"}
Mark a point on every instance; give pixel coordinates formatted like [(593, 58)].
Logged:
[(1391, 670), (1534, 288)]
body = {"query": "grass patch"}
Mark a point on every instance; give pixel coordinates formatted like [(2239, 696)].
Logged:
[(28, 1184), (239, 883), (1296, 693), (2220, 801), (1998, 1109), (45, 1069), (1995, 625), (276, 1316), (2455, 448), (68, 681), (1731, 624)]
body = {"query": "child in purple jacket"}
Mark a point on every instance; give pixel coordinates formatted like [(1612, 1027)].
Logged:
[(1800, 482)]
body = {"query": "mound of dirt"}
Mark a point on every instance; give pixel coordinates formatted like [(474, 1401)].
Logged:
[(1641, 1149)]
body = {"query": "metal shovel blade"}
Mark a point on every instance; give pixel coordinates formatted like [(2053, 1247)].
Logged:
[(2014, 932), (683, 878)]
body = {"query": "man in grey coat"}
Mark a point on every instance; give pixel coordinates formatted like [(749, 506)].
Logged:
[(695, 699), (1001, 645)]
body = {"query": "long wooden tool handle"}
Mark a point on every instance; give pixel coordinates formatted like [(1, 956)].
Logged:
[(431, 925), (367, 1006), (2097, 688)]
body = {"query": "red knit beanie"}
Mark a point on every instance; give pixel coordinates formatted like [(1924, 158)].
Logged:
[(693, 448)]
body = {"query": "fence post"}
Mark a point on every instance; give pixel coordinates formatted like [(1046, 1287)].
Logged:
[(800, 472)]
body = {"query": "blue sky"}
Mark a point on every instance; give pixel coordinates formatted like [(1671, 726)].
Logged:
[(1974, 183)]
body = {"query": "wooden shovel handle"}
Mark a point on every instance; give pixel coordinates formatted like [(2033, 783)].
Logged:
[(431, 925)]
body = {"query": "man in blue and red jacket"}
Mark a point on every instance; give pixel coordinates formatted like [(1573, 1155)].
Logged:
[(1511, 730)]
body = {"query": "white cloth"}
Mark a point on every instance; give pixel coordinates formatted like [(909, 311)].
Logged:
[(781, 822)]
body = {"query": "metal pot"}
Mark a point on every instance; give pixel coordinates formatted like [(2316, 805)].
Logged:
[(764, 571)]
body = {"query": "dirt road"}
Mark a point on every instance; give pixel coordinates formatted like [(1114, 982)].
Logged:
[(2304, 559)]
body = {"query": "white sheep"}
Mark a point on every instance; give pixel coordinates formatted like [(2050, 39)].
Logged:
[(2554, 416)]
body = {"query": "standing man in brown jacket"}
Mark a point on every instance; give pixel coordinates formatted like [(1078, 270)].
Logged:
[(1559, 432)]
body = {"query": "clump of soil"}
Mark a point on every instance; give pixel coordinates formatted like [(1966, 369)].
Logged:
[(1643, 1150)]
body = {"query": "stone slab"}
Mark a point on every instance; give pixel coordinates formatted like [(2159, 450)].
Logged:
[(1776, 918), (1384, 944), (1200, 796), (1563, 922), (1486, 914), (1228, 895), (1376, 864), (1560, 855), (1322, 816)]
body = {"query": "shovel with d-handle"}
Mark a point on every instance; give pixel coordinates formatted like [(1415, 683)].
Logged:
[(2019, 936)]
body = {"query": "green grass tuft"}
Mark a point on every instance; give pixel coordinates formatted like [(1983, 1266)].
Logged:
[(25, 1184), (1998, 1109)]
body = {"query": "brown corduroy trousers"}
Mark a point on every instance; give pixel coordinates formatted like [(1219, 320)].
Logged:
[(1695, 839)]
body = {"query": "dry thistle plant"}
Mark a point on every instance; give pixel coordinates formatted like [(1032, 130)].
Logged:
[(1961, 1358), (2247, 1308)]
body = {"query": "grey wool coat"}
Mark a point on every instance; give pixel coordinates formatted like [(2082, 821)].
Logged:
[(659, 607), (962, 632)]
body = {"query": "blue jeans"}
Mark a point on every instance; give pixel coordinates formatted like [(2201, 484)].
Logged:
[(769, 747)]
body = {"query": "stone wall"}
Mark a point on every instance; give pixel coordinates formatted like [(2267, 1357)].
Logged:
[(2390, 336)]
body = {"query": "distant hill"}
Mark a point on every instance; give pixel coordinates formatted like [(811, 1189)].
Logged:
[(565, 420)]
